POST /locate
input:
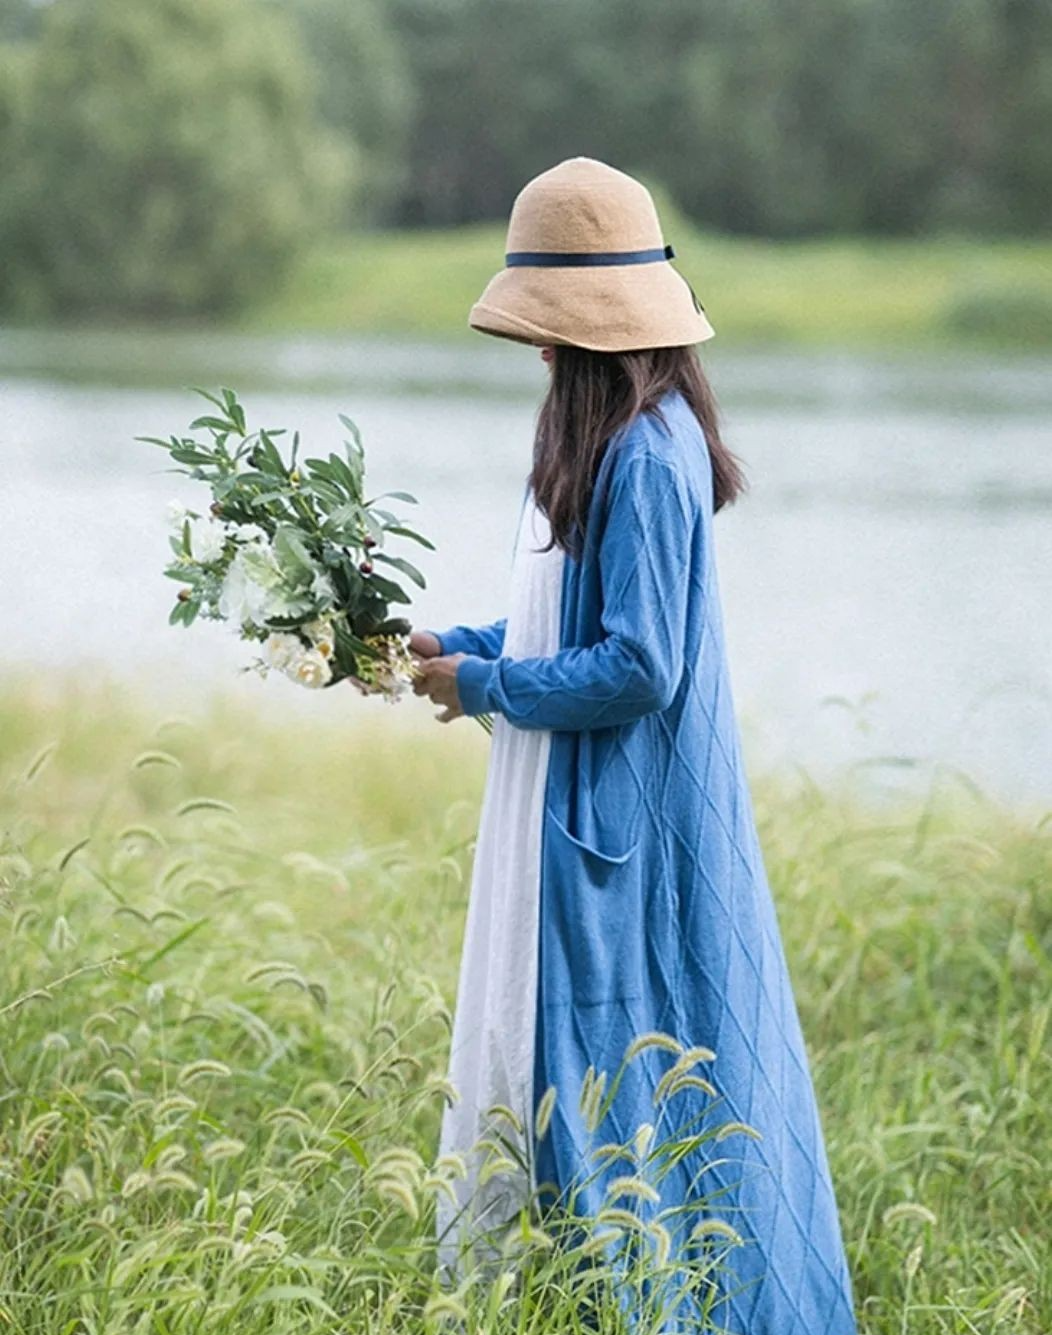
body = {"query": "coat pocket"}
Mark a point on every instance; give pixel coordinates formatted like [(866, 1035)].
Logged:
[(591, 916), (604, 856)]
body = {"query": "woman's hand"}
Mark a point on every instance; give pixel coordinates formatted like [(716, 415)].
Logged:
[(438, 681), (422, 644)]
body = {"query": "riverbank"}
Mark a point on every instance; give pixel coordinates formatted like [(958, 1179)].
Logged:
[(880, 297), (232, 950), (845, 293)]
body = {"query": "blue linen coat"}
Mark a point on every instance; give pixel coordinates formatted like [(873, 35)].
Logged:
[(655, 911)]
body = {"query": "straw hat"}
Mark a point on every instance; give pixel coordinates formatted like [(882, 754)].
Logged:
[(587, 264)]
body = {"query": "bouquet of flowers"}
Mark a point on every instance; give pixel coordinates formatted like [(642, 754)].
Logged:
[(292, 553)]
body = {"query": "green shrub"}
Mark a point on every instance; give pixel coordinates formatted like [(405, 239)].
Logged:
[(166, 157), (1021, 315)]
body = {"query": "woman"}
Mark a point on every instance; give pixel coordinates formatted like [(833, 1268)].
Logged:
[(618, 885)]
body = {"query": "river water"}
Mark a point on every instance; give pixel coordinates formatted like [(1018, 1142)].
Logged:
[(887, 581)]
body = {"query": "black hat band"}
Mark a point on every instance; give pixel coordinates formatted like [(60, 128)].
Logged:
[(584, 259)]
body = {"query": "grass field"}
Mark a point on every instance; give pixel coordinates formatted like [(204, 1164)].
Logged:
[(864, 293), (229, 956)]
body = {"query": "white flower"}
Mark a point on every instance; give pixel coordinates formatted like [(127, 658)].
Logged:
[(206, 539), (247, 532), (240, 598), (282, 649), (283, 602), (177, 514), (310, 668), (321, 635), (392, 681), (254, 589)]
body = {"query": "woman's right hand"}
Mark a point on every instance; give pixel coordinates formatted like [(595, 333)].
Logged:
[(422, 644)]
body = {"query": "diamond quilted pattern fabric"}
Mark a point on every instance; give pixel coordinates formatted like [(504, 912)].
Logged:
[(655, 911)]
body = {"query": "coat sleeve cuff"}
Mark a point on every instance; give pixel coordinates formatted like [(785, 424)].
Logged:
[(452, 641), (473, 681)]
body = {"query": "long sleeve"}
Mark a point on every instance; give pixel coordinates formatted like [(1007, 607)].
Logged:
[(637, 665), (483, 641)]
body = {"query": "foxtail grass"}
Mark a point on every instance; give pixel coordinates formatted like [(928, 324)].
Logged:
[(229, 958)]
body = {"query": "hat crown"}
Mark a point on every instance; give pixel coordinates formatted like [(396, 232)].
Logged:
[(584, 205), (631, 297)]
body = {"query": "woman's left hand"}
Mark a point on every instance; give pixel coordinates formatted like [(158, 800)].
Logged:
[(438, 680)]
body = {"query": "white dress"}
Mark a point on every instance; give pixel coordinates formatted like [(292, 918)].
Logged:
[(491, 1061)]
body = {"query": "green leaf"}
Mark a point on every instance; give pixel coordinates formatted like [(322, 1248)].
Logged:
[(326, 492), (372, 526), (348, 473), (347, 515), (234, 410), (72, 851), (210, 423), (404, 532), (400, 563), (295, 1293), (185, 455), (291, 552), (319, 468), (352, 427), (395, 495), (351, 579), (172, 942), (392, 592), (210, 397), (267, 458), (357, 644), (354, 1147)]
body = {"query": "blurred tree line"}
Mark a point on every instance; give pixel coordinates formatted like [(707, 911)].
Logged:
[(170, 155), (158, 156)]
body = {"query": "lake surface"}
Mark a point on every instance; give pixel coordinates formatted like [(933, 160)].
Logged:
[(887, 582)]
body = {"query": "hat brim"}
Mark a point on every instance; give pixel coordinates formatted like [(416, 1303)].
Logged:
[(609, 308)]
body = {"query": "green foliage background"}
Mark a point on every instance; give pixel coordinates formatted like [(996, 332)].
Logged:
[(163, 158), (174, 157)]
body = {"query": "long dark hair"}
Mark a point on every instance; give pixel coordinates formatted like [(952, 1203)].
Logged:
[(590, 396)]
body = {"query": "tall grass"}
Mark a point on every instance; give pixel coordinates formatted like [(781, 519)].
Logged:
[(229, 953)]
